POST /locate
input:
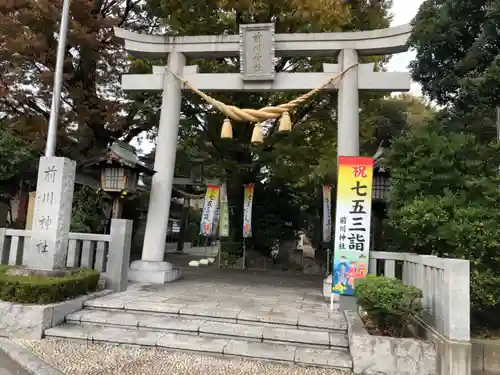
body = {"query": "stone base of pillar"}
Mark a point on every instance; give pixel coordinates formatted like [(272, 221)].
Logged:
[(144, 271)]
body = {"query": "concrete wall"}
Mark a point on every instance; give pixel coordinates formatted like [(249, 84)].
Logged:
[(380, 355), (486, 356)]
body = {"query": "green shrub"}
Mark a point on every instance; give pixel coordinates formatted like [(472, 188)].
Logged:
[(443, 189), (42, 289), (388, 302), (485, 297)]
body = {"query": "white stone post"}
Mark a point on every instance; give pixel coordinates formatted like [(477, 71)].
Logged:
[(4, 247), (348, 105), (119, 254), (48, 245), (151, 268), (456, 299)]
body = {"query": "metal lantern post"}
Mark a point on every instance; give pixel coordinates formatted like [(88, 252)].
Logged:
[(118, 180), (380, 196), (381, 185)]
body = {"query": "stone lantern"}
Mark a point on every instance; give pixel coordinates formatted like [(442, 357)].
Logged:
[(121, 173)]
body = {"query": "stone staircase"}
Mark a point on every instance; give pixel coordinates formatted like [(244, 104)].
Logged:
[(317, 342)]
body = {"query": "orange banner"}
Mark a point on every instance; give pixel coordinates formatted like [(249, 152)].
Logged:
[(247, 210)]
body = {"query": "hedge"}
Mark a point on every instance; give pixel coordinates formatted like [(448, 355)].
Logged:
[(388, 302), (43, 290)]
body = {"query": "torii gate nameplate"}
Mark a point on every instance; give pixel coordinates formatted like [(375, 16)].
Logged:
[(257, 52)]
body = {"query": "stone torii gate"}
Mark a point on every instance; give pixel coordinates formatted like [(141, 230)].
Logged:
[(257, 45)]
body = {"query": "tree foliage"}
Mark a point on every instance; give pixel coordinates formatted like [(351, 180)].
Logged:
[(458, 48), (444, 202), (16, 160), (444, 187), (89, 212), (92, 105)]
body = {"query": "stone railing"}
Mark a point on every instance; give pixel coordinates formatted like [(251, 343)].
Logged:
[(445, 284), (107, 253)]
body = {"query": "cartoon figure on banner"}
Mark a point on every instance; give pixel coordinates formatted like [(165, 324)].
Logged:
[(356, 271), (341, 272)]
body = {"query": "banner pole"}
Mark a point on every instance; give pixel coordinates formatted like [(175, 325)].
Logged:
[(206, 243), (244, 252), (332, 253), (219, 255), (327, 261)]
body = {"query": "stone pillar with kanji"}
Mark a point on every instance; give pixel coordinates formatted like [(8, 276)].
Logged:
[(48, 245)]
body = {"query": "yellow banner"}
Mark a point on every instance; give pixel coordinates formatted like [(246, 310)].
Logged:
[(352, 222), (209, 209)]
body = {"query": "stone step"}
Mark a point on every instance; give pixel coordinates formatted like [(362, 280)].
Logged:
[(334, 323), (339, 358), (209, 328)]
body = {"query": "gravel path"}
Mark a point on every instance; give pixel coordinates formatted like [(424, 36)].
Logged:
[(79, 358)]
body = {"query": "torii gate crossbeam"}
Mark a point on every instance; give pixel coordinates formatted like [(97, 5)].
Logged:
[(367, 43)]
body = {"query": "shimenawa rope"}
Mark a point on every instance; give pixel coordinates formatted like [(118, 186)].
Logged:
[(258, 115)]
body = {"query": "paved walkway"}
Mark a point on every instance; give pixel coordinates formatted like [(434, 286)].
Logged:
[(230, 291), (9, 367)]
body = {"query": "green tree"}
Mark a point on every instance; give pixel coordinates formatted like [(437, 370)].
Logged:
[(451, 186), (88, 211), (386, 119), (17, 161), (444, 187), (92, 108), (457, 59)]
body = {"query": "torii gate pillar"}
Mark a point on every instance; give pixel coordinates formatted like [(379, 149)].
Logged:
[(152, 268), (348, 106)]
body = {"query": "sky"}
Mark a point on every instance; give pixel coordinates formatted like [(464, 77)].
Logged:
[(404, 11)]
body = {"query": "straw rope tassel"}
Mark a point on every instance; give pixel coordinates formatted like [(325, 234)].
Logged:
[(257, 134), (285, 123), (227, 129), (262, 114)]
